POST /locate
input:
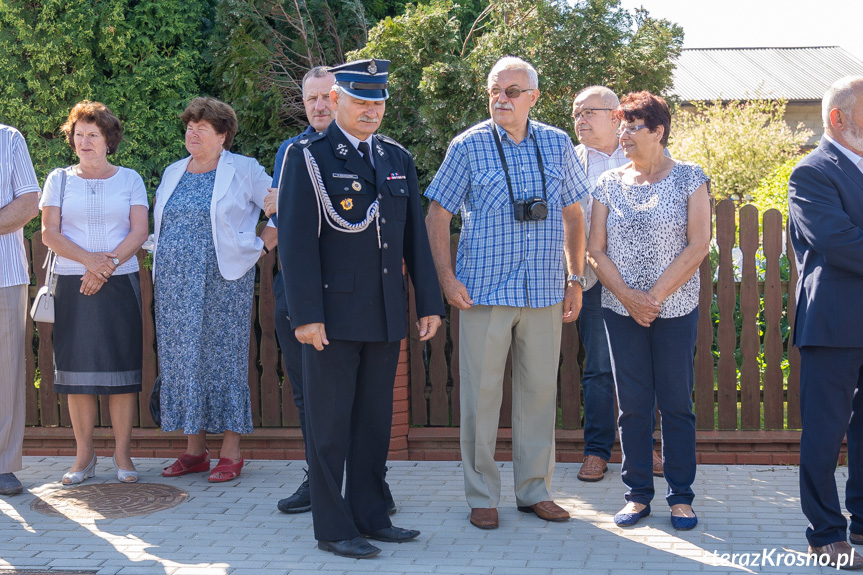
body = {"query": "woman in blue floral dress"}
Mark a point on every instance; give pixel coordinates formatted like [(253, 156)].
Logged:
[(206, 211)]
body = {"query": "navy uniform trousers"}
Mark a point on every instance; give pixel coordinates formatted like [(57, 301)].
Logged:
[(292, 349)]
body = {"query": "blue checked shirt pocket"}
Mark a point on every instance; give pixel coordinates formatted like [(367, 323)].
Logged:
[(489, 192)]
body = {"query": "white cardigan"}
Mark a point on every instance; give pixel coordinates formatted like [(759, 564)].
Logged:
[(238, 197)]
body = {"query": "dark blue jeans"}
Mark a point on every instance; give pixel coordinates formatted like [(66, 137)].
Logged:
[(831, 405), (653, 366), (598, 381)]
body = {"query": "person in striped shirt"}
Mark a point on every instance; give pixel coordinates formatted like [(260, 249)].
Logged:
[(19, 198)]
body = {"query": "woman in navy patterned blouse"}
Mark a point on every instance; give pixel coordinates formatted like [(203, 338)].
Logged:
[(649, 233)]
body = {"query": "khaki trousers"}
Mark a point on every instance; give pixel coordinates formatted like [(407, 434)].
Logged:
[(13, 315), (485, 336)]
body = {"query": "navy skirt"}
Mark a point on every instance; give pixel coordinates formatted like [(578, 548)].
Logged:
[(97, 338)]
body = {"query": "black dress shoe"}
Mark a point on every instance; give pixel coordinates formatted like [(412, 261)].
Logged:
[(356, 548), (855, 539), (300, 501), (393, 534), (9, 485)]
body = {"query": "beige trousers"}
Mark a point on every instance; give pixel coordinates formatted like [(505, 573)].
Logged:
[(485, 336), (13, 315)]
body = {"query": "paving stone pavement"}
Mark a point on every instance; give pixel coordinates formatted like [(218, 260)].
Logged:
[(234, 528)]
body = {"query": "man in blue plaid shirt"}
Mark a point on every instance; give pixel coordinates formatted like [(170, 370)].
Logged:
[(518, 276)]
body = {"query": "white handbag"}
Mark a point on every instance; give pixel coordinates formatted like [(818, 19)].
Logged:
[(42, 310)]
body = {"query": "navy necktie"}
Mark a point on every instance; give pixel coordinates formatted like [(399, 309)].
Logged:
[(364, 149)]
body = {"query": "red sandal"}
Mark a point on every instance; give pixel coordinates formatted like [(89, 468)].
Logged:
[(188, 464), (226, 470)]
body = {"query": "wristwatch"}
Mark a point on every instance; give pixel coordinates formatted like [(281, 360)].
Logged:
[(116, 261), (577, 279)]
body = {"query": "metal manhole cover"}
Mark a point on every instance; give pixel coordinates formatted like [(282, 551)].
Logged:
[(109, 500)]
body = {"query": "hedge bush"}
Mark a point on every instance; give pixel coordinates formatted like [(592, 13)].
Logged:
[(141, 58)]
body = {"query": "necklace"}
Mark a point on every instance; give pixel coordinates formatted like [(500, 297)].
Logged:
[(92, 185)]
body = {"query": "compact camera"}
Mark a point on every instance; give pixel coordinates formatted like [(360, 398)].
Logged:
[(531, 209)]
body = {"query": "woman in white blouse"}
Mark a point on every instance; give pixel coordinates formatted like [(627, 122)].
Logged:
[(94, 217), (649, 233)]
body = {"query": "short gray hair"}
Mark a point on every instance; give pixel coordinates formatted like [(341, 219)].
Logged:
[(841, 95), (316, 72), (513, 63), (607, 95)]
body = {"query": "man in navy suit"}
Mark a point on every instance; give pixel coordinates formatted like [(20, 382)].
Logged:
[(350, 212), (825, 201)]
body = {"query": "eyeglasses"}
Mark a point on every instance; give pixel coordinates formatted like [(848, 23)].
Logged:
[(589, 113), (630, 129), (512, 92)]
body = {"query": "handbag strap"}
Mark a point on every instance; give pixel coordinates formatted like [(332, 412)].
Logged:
[(51, 258)]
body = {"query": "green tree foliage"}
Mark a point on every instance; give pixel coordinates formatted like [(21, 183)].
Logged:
[(262, 52), (772, 191), (737, 144), (143, 59), (438, 74)]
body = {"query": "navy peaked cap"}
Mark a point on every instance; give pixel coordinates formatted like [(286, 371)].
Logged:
[(364, 79)]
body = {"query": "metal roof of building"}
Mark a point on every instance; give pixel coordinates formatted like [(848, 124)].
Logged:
[(746, 73)]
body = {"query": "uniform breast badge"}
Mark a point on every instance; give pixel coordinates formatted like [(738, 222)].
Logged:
[(347, 204), (357, 186)]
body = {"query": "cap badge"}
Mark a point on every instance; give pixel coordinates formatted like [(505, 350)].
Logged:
[(357, 187), (347, 204), (373, 68)]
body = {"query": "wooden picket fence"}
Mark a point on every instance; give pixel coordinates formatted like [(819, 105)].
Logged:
[(723, 401), (272, 403), (759, 399)]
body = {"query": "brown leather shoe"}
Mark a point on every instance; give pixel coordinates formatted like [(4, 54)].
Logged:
[(593, 468), (855, 539), (484, 517), (840, 553), (548, 510), (657, 465)]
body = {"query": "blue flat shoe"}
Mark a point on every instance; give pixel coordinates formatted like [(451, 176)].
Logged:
[(629, 519), (684, 523)]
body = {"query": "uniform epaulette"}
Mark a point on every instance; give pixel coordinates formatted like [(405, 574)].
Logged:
[(308, 139), (389, 140)]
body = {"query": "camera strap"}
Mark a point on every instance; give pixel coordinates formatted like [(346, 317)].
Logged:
[(496, 138)]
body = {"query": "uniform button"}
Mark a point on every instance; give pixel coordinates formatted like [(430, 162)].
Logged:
[(385, 271), (380, 197), (383, 220), (346, 189), (326, 286), (385, 245), (402, 190)]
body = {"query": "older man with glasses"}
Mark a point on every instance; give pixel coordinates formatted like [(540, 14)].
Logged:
[(517, 184), (598, 150)]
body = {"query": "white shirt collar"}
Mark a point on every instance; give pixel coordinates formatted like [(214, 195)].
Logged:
[(855, 158), (356, 141), (618, 150)]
